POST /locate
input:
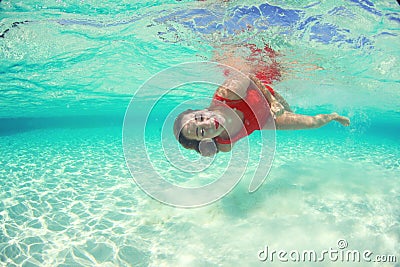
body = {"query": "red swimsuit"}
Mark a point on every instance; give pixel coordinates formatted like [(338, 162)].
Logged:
[(255, 110), (254, 107)]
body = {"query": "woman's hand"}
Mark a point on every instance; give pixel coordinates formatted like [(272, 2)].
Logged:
[(277, 109)]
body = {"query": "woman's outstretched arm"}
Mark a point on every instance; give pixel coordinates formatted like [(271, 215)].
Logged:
[(292, 121), (285, 119)]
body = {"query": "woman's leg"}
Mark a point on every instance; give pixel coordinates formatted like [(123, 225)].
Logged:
[(292, 121)]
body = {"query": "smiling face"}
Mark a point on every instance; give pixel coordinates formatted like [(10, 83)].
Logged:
[(201, 124)]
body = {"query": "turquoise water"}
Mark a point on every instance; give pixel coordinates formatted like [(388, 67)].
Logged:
[(69, 71)]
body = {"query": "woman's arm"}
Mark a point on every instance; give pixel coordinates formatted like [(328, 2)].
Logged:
[(276, 108), (236, 72), (234, 87), (291, 121)]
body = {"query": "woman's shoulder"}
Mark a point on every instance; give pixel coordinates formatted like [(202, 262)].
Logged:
[(225, 92), (234, 88)]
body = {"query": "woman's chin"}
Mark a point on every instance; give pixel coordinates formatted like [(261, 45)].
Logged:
[(220, 122)]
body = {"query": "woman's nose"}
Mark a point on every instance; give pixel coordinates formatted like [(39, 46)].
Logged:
[(205, 122)]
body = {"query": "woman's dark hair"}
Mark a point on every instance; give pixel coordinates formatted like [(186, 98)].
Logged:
[(189, 143), (183, 140)]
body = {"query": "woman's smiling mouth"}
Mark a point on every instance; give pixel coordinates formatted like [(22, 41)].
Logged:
[(216, 123)]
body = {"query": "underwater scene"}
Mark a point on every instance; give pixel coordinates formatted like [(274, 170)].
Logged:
[(80, 77)]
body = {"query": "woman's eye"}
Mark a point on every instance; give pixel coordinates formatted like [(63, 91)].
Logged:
[(201, 117)]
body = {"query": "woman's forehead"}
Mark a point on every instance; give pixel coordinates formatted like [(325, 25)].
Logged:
[(198, 111)]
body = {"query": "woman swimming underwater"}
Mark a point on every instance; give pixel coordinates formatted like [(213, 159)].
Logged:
[(243, 104)]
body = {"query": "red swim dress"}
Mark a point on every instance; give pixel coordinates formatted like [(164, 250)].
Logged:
[(255, 109)]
